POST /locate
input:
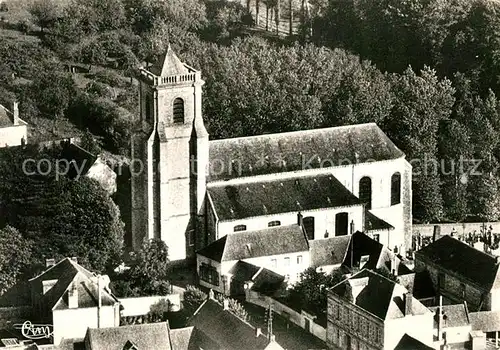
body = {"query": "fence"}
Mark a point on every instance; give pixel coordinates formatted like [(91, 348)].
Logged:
[(301, 319), (140, 306)]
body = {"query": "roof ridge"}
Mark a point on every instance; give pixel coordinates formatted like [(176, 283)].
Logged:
[(296, 132), (298, 176)]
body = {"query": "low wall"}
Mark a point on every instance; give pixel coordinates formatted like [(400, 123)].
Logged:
[(286, 312), (140, 306), (460, 228)]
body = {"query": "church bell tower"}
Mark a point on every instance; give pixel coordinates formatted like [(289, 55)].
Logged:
[(169, 157)]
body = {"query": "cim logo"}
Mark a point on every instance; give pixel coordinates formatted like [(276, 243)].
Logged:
[(35, 331)]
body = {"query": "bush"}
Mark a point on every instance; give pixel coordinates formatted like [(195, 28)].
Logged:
[(110, 78)]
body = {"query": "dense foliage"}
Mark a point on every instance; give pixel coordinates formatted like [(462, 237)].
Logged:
[(61, 216)]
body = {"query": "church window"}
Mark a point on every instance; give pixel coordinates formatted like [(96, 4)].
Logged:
[(308, 223), (239, 228), (396, 189), (274, 223), (209, 274), (365, 191), (178, 111)]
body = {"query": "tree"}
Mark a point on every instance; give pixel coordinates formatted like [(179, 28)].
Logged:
[(310, 292), (421, 102), (65, 217), (54, 101), (45, 13), (193, 298), (150, 268), (158, 311), (15, 257)]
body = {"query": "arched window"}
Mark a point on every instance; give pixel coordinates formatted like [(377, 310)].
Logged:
[(239, 228), (308, 223), (273, 223), (396, 189), (178, 110), (365, 191), (341, 224)]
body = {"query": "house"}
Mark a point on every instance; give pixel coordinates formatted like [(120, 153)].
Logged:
[(460, 273), (454, 325), (410, 343), (370, 311), (13, 130), (82, 163), (153, 336), (282, 249), (218, 328), (191, 192), (72, 299)]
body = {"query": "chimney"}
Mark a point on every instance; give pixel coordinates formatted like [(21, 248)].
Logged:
[(73, 297), (225, 304), (408, 298), (258, 332), (393, 265), (437, 233), (300, 220), (74, 259), (15, 112), (352, 227), (272, 338), (211, 294), (50, 262)]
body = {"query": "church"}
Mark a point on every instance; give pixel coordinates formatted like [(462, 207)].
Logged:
[(192, 192)]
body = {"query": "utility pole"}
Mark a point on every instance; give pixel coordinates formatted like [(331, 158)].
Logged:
[(99, 301), (270, 322), (290, 9), (278, 16)]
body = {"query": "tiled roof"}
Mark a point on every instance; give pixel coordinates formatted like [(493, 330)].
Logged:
[(168, 64), (224, 329), (377, 295), (453, 316), (329, 251), (460, 258), (68, 273), (280, 196), (243, 271), (486, 321), (152, 336), (410, 343), (374, 223), (244, 245), (294, 151), (183, 339)]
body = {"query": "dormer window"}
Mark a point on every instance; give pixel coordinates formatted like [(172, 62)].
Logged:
[(274, 223), (130, 346), (179, 111)]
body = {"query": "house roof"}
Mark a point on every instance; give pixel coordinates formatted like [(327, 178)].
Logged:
[(264, 281), (409, 343), (460, 258), (374, 223), (362, 245), (377, 295), (224, 329), (152, 336), (183, 339), (329, 251), (80, 159), (453, 316), (68, 273), (252, 244), (168, 64), (5, 117), (486, 321), (300, 150), (266, 197)]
